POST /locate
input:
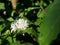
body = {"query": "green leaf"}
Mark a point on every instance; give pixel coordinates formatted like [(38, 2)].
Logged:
[(2, 6), (18, 43), (27, 44), (29, 30), (50, 27), (1, 19), (10, 39), (0, 41), (2, 27), (7, 32), (21, 14), (10, 19)]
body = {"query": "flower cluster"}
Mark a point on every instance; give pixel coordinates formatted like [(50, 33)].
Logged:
[(19, 24)]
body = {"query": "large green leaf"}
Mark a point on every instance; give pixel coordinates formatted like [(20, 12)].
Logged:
[(50, 27)]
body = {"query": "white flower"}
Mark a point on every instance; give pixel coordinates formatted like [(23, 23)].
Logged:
[(13, 27), (19, 24)]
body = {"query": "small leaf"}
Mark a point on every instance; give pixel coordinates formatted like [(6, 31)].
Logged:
[(21, 14), (10, 19), (2, 27), (7, 32)]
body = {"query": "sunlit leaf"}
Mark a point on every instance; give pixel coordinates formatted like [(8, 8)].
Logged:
[(10, 39), (10, 19), (2, 6)]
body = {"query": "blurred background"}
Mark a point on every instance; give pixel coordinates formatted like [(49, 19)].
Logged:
[(11, 10)]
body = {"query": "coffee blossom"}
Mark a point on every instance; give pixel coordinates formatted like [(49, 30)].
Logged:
[(19, 24)]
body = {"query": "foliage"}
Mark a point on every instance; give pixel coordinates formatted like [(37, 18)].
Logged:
[(42, 16), (49, 29)]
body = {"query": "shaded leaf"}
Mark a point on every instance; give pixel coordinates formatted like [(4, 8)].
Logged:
[(1, 19), (50, 27), (2, 27)]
